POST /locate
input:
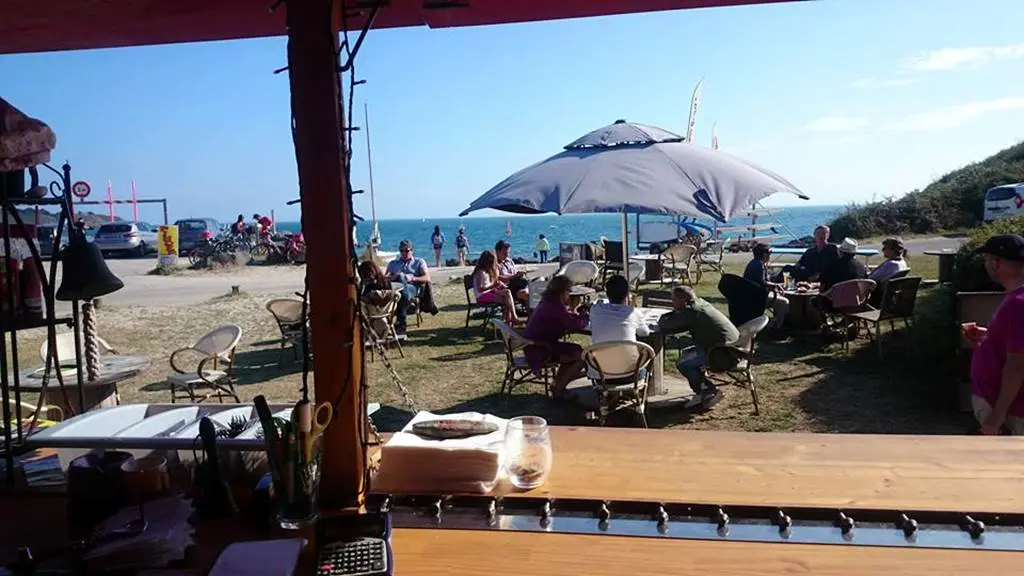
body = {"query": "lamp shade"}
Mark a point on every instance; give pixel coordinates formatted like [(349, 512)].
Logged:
[(85, 273)]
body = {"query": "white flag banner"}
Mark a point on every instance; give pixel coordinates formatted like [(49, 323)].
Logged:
[(714, 136), (694, 106)]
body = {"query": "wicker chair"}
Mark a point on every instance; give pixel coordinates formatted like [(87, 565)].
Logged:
[(216, 352), (620, 372)]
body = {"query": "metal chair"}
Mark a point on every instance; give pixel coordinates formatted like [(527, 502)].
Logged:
[(710, 257), (216, 350), (845, 298), (678, 261), (379, 321), (898, 302), (491, 309), (517, 369), (731, 362), (620, 372), (582, 272), (287, 312), (613, 252)]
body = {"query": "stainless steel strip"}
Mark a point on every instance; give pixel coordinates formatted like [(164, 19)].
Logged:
[(739, 530)]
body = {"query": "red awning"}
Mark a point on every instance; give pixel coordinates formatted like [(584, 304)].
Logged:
[(48, 25)]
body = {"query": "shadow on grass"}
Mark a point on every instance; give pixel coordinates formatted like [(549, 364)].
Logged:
[(863, 393), (523, 401), (488, 349), (256, 366), (445, 337)]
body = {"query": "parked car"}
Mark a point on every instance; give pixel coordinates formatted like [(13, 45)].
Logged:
[(1004, 201), (46, 235), (190, 231), (125, 238)]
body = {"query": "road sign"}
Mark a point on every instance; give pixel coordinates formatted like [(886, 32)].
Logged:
[(81, 189)]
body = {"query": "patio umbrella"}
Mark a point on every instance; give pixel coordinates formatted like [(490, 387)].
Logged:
[(635, 168), (627, 167)]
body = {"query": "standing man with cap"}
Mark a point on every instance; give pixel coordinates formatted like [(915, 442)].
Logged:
[(997, 366)]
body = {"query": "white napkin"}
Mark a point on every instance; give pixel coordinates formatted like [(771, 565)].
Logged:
[(412, 464)]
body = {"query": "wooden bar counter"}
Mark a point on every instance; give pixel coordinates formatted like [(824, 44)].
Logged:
[(960, 473)]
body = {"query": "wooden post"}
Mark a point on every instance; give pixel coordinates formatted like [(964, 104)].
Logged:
[(326, 209)]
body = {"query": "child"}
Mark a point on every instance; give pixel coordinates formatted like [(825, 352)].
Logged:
[(542, 248)]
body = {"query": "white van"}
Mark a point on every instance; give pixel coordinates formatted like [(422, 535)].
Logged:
[(1004, 201)]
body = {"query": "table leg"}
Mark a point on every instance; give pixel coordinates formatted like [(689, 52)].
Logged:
[(656, 382)]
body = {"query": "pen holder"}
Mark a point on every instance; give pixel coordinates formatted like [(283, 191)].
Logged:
[(297, 498)]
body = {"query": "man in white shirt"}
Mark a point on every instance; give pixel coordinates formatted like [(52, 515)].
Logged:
[(614, 319)]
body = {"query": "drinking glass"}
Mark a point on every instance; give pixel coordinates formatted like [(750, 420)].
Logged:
[(528, 451)]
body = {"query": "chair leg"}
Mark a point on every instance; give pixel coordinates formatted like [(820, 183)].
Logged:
[(753, 393), (394, 335), (878, 338), (469, 315)]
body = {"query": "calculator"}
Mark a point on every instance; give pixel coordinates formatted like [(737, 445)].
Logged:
[(355, 545)]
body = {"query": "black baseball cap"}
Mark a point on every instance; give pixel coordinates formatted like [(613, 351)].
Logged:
[(1005, 246), (501, 244)]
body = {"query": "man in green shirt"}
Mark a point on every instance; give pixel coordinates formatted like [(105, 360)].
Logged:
[(709, 328)]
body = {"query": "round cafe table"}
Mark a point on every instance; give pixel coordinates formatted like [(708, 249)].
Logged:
[(98, 393), (803, 316), (578, 294)]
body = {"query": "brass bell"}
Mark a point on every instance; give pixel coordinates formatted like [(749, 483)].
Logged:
[(85, 273)]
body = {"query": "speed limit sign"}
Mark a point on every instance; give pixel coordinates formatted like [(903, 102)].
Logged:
[(81, 189)]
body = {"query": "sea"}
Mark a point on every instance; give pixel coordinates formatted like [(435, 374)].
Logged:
[(483, 232)]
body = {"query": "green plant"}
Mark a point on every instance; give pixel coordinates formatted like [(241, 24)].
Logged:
[(953, 202), (968, 270)]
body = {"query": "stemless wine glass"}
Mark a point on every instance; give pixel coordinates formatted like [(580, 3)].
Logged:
[(528, 451)]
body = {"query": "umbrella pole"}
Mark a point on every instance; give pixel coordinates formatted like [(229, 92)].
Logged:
[(625, 244)]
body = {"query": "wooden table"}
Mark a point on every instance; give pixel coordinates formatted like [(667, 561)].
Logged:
[(99, 393), (968, 473)]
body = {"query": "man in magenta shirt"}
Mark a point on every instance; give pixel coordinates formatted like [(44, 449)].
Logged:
[(997, 366)]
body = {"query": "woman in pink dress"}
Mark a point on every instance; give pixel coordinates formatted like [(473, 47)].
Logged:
[(490, 290)]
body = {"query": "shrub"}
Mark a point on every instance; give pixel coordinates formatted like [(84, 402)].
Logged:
[(969, 271), (953, 202)]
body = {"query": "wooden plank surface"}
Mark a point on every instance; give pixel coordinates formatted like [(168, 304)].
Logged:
[(434, 552), (961, 473)]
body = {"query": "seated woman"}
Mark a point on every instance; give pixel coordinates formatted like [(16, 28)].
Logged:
[(550, 321), (375, 291), (894, 252), (490, 290)]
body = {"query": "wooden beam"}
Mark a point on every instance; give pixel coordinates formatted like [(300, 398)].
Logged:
[(327, 225)]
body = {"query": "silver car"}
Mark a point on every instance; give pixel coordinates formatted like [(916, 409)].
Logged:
[(126, 238)]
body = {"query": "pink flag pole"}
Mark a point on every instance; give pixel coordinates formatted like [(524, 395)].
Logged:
[(135, 204), (110, 199)]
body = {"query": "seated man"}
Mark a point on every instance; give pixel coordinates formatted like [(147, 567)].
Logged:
[(997, 365), (709, 328), (817, 258), (508, 274), (757, 272), (845, 267), (614, 319), (412, 273)]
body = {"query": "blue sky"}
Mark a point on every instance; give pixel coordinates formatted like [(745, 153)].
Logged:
[(849, 99)]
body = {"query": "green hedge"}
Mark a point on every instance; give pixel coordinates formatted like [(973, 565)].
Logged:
[(953, 202), (969, 270)]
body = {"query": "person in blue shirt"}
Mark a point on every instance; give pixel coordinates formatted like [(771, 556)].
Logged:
[(412, 274), (757, 272)]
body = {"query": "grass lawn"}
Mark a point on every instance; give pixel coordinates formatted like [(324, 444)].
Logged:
[(804, 386)]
